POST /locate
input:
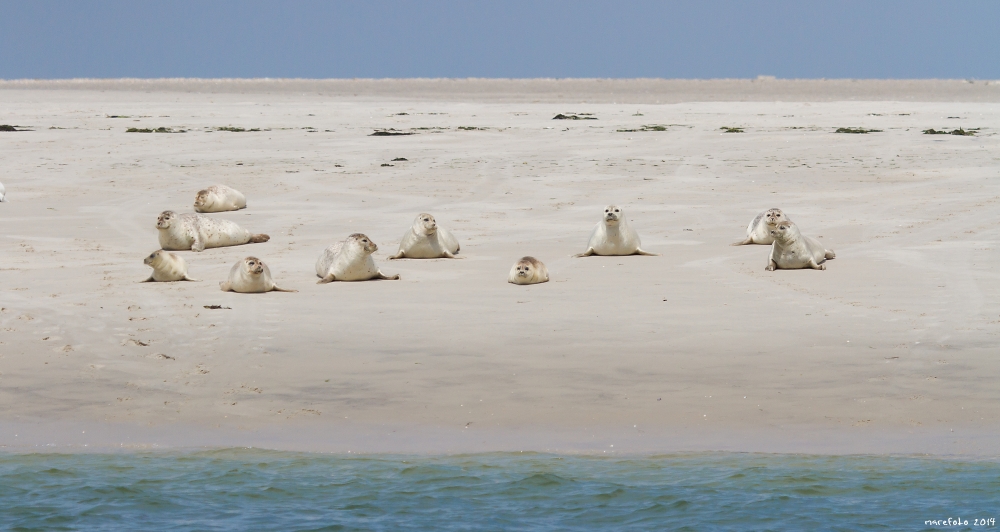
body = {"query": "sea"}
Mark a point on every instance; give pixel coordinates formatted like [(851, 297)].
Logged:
[(252, 489)]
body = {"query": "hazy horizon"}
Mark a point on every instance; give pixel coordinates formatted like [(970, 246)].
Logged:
[(720, 39)]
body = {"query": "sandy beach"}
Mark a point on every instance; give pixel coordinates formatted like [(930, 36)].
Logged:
[(892, 349)]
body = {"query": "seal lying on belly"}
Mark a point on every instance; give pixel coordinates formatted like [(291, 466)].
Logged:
[(528, 270), (179, 232), (614, 236), (425, 240), (250, 276), (219, 198), (350, 260), (792, 250), (759, 230), (166, 267)]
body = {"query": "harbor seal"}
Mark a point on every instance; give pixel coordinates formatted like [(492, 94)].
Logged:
[(528, 270), (250, 276), (350, 260), (167, 267), (759, 230), (425, 240), (3, 193), (792, 250), (614, 236), (219, 198), (179, 232)]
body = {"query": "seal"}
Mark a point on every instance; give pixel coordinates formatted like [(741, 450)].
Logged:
[(759, 230), (528, 270), (792, 250), (350, 260), (425, 240), (3, 193), (614, 236), (250, 276), (167, 267), (179, 232), (219, 198)]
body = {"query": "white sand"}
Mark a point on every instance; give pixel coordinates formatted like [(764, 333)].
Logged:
[(894, 348)]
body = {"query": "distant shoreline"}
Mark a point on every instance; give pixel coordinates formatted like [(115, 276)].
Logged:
[(626, 91)]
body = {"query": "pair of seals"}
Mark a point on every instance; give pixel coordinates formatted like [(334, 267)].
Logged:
[(250, 276), (167, 267), (528, 270), (350, 260), (197, 232), (759, 230), (614, 236), (792, 250), (219, 198), (425, 240)]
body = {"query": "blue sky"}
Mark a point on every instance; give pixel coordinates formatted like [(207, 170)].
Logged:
[(381, 38)]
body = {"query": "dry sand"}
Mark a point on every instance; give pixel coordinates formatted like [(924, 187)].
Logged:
[(892, 349)]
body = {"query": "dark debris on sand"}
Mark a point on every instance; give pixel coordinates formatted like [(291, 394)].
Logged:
[(577, 116), (390, 133), (856, 130), (959, 131)]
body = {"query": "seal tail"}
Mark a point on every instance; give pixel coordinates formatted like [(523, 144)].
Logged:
[(257, 239), (830, 254)]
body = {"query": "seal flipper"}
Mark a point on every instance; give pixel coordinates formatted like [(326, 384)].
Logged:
[(639, 251), (150, 280), (328, 279), (276, 289), (386, 277), (259, 238), (225, 286), (589, 252), (187, 278), (747, 241)]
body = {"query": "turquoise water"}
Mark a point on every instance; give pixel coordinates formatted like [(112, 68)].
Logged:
[(246, 489)]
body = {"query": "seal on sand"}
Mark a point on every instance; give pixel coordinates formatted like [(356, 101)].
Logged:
[(3, 193), (425, 240), (759, 230), (167, 267), (792, 250), (250, 276), (179, 232), (528, 270), (219, 198), (350, 260), (614, 236)]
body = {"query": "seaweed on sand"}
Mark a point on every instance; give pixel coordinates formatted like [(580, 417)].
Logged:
[(650, 127), (577, 116), (856, 130), (959, 131), (728, 129), (157, 130)]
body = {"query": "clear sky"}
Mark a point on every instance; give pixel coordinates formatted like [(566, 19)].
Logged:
[(500, 38)]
